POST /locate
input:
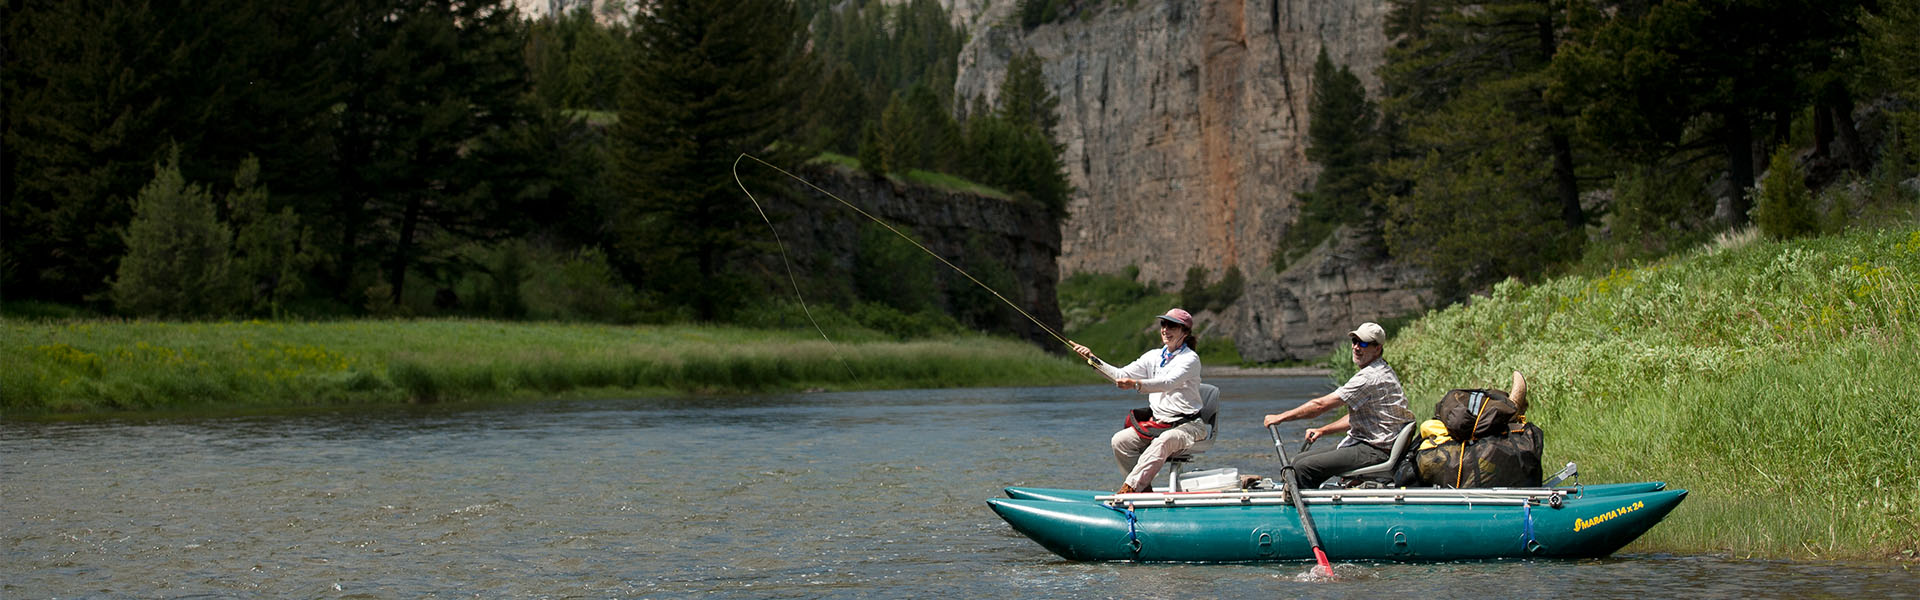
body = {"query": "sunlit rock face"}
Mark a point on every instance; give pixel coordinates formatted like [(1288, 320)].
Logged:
[(1185, 126)]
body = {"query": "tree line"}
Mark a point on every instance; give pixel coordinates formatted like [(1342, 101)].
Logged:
[(452, 157), (1515, 137)]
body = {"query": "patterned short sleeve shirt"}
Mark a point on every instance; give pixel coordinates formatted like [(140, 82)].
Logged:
[(1376, 406)]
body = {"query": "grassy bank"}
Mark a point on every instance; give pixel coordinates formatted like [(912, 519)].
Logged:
[(1116, 317), (52, 366), (1780, 382)]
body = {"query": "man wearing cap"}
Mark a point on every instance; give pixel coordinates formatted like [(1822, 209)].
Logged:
[(1170, 376), (1376, 411)]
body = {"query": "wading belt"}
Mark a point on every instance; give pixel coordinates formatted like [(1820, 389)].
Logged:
[(1141, 421)]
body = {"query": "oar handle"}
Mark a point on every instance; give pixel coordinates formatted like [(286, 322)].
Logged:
[(1280, 448)]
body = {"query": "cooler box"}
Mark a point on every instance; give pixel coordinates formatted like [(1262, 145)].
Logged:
[(1210, 480)]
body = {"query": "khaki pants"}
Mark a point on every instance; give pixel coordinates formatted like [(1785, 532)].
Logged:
[(1141, 458)]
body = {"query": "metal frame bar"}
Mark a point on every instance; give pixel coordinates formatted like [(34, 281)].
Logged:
[(1514, 496)]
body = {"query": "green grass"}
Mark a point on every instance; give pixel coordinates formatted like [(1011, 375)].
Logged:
[(1779, 381), (952, 183), (62, 366), (929, 179), (1115, 317), (598, 118)]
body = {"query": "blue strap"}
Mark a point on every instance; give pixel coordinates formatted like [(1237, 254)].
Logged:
[(1133, 533), (1526, 531), (1166, 357)]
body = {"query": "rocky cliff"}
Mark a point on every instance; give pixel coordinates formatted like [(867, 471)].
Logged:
[(1185, 130), (976, 233)]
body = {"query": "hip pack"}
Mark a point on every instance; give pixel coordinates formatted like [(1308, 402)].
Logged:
[(1140, 420)]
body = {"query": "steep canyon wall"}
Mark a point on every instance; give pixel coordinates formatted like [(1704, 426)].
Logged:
[(1185, 131)]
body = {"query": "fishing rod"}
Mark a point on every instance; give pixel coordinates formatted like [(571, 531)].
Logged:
[(1092, 361)]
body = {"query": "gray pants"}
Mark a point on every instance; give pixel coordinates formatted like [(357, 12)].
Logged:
[(1316, 466), (1141, 458)]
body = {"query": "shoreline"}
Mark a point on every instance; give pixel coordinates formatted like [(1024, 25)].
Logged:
[(1236, 371)]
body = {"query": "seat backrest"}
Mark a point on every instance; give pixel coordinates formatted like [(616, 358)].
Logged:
[(1401, 443), (1210, 407)]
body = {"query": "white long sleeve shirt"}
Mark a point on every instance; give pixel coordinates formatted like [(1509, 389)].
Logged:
[(1173, 389)]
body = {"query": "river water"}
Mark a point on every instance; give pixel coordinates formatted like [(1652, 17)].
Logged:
[(870, 494)]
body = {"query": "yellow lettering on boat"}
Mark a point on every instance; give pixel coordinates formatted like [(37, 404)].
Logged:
[(1579, 524)]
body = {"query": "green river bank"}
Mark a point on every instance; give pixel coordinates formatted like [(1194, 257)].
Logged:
[(89, 366), (1779, 381)]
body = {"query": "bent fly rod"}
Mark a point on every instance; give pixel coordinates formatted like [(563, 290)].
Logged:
[(791, 279)]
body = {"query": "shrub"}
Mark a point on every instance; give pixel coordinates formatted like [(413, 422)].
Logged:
[(893, 271), (177, 257), (1785, 206), (1196, 295), (577, 287)]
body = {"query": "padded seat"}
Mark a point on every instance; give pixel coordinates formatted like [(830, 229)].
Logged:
[(1384, 471)]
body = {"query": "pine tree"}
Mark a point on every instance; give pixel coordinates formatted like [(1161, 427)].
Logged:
[(710, 80), (429, 79), (271, 251), (1785, 209), (177, 257), (1475, 143), (95, 90), (874, 151), (1024, 97), (1647, 82), (1342, 140)]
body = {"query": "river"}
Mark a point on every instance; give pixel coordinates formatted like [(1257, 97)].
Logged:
[(868, 494)]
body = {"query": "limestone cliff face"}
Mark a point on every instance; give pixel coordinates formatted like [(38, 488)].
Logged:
[(1185, 130), (822, 237)]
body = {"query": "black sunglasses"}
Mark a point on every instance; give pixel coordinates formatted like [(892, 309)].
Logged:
[(1360, 344)]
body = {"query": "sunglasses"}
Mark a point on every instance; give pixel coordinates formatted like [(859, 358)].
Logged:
[(1360, 344)]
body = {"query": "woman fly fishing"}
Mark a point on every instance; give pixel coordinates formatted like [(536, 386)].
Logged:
[(1170, 376)]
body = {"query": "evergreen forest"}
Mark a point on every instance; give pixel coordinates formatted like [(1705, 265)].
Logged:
[(347, 158), (1524, 138), (350, 158)]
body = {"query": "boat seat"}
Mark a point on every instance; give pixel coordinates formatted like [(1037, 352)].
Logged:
[(1384, 471), (1209, 414)]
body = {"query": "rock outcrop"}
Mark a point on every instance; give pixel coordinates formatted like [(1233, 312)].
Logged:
[(822, 237), (1185, 131)]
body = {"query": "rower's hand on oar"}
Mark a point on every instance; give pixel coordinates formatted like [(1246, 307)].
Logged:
[(1310, 435)]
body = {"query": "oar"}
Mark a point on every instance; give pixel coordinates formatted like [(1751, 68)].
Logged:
[(1291, 481)]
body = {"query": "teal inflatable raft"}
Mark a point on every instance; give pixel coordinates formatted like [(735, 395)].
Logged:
[(1409, 524)]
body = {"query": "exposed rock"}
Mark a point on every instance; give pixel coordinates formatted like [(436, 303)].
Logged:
[(1185, 132), (822, 237), (1306, 311)]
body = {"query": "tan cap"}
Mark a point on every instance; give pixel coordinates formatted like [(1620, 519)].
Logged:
[(1369, 332)]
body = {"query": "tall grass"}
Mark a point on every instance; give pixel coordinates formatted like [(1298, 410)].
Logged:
[(1779, 381), (103, 365)]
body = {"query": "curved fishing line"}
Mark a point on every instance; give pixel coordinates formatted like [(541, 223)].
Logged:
[(795, 281), (943, 260)]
